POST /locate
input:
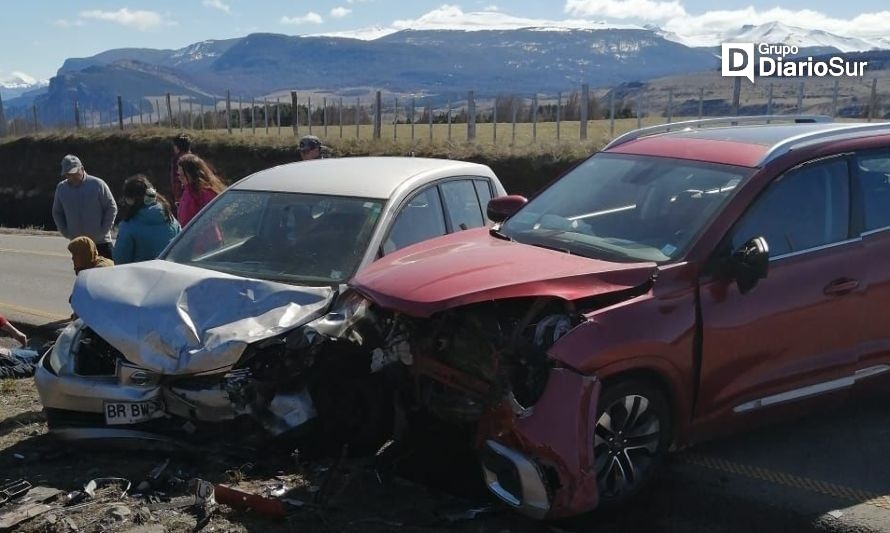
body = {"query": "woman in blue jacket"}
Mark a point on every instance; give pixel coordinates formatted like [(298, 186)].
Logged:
[(147, 223)]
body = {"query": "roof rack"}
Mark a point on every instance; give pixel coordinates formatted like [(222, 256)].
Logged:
[(806, 139), (733, 121)]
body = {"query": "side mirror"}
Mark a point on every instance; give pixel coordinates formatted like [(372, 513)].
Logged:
[(502, 208), (749, 264)]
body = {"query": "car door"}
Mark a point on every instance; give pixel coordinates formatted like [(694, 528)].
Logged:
[(871, 189), (795, 334)]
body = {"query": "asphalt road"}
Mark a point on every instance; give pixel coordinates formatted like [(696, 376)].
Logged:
[(36, 277), (827, 472)]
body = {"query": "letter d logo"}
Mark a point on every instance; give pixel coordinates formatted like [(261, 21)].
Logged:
[(738, 60)]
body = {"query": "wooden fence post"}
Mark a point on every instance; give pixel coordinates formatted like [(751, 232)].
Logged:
[(834, 99), (873, 102), (228, 111), (429, 106), (278, 114), (358, 116), (253, 116), (309, 113), (558, 121), (701, 101), (585, 109), (449, 119), (494, 123), (471, 115), (799, 97), (120, 113), (340, 115), (769, 102), (266, 114), (324, 115), (736, 96), (378, 116), (514, 109), (395, 118), (413, 114), (295, 113), (670, 116), (169, 110)]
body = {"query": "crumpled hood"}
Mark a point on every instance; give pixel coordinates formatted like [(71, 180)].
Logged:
[(472, 266), (176, 319)]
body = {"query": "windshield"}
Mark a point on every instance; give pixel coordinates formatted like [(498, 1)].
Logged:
[(299, 238), (626, 208)]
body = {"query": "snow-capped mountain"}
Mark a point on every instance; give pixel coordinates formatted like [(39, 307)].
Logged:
[(776, 32), (17, 83)]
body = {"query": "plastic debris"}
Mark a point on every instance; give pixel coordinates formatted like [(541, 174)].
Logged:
[(99, 483), (237, 499)]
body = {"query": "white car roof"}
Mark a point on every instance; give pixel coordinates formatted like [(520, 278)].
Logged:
[(364, 177)]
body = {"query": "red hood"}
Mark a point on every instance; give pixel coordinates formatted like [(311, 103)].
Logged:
[(472, 266)]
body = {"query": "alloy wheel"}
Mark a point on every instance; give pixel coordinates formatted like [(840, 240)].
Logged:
[(626, 445)]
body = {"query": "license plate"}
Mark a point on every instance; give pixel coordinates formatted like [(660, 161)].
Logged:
[(129, 412)]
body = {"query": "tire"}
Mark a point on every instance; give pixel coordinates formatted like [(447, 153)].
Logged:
[(631, 438)]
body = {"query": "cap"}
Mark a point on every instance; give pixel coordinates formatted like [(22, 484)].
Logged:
[(70, 163), (308, 142)]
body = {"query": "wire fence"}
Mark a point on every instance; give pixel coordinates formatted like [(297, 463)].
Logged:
[(507, 118)]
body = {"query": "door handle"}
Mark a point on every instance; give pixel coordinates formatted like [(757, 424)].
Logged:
[(839, 287)]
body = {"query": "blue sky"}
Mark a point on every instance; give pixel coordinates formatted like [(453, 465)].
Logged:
[(39, 35)]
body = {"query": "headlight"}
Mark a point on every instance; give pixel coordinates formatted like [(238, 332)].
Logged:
[(61, 351), (349, 308)]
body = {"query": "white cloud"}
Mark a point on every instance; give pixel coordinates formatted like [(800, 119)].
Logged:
[(492, 7), (65, 23), (141, 20), (217, 4), (340, 12), (626, 9), (309, 18), (357, 1)]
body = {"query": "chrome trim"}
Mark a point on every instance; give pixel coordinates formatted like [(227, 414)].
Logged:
[(854, 131), (812, 390), (816, 248), (732, 121), (874, 231), (533, 501)]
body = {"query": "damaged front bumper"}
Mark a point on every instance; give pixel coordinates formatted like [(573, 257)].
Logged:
[(540, 461)]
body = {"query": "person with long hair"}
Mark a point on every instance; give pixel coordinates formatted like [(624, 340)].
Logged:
[(147, 222), (200, 185)]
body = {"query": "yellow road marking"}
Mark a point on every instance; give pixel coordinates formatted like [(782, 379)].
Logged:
[(33, 252), (881, 501), (34, 312)]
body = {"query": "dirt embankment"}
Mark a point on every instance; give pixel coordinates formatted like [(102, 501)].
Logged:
[(30, 165)]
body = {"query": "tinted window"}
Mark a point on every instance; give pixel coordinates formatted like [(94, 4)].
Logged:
[(483, 191), (803, 209), (462, 205), (626, 208), (873, 180), (420, 219)]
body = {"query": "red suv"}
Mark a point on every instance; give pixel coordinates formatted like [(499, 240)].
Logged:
[(675, 285)]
